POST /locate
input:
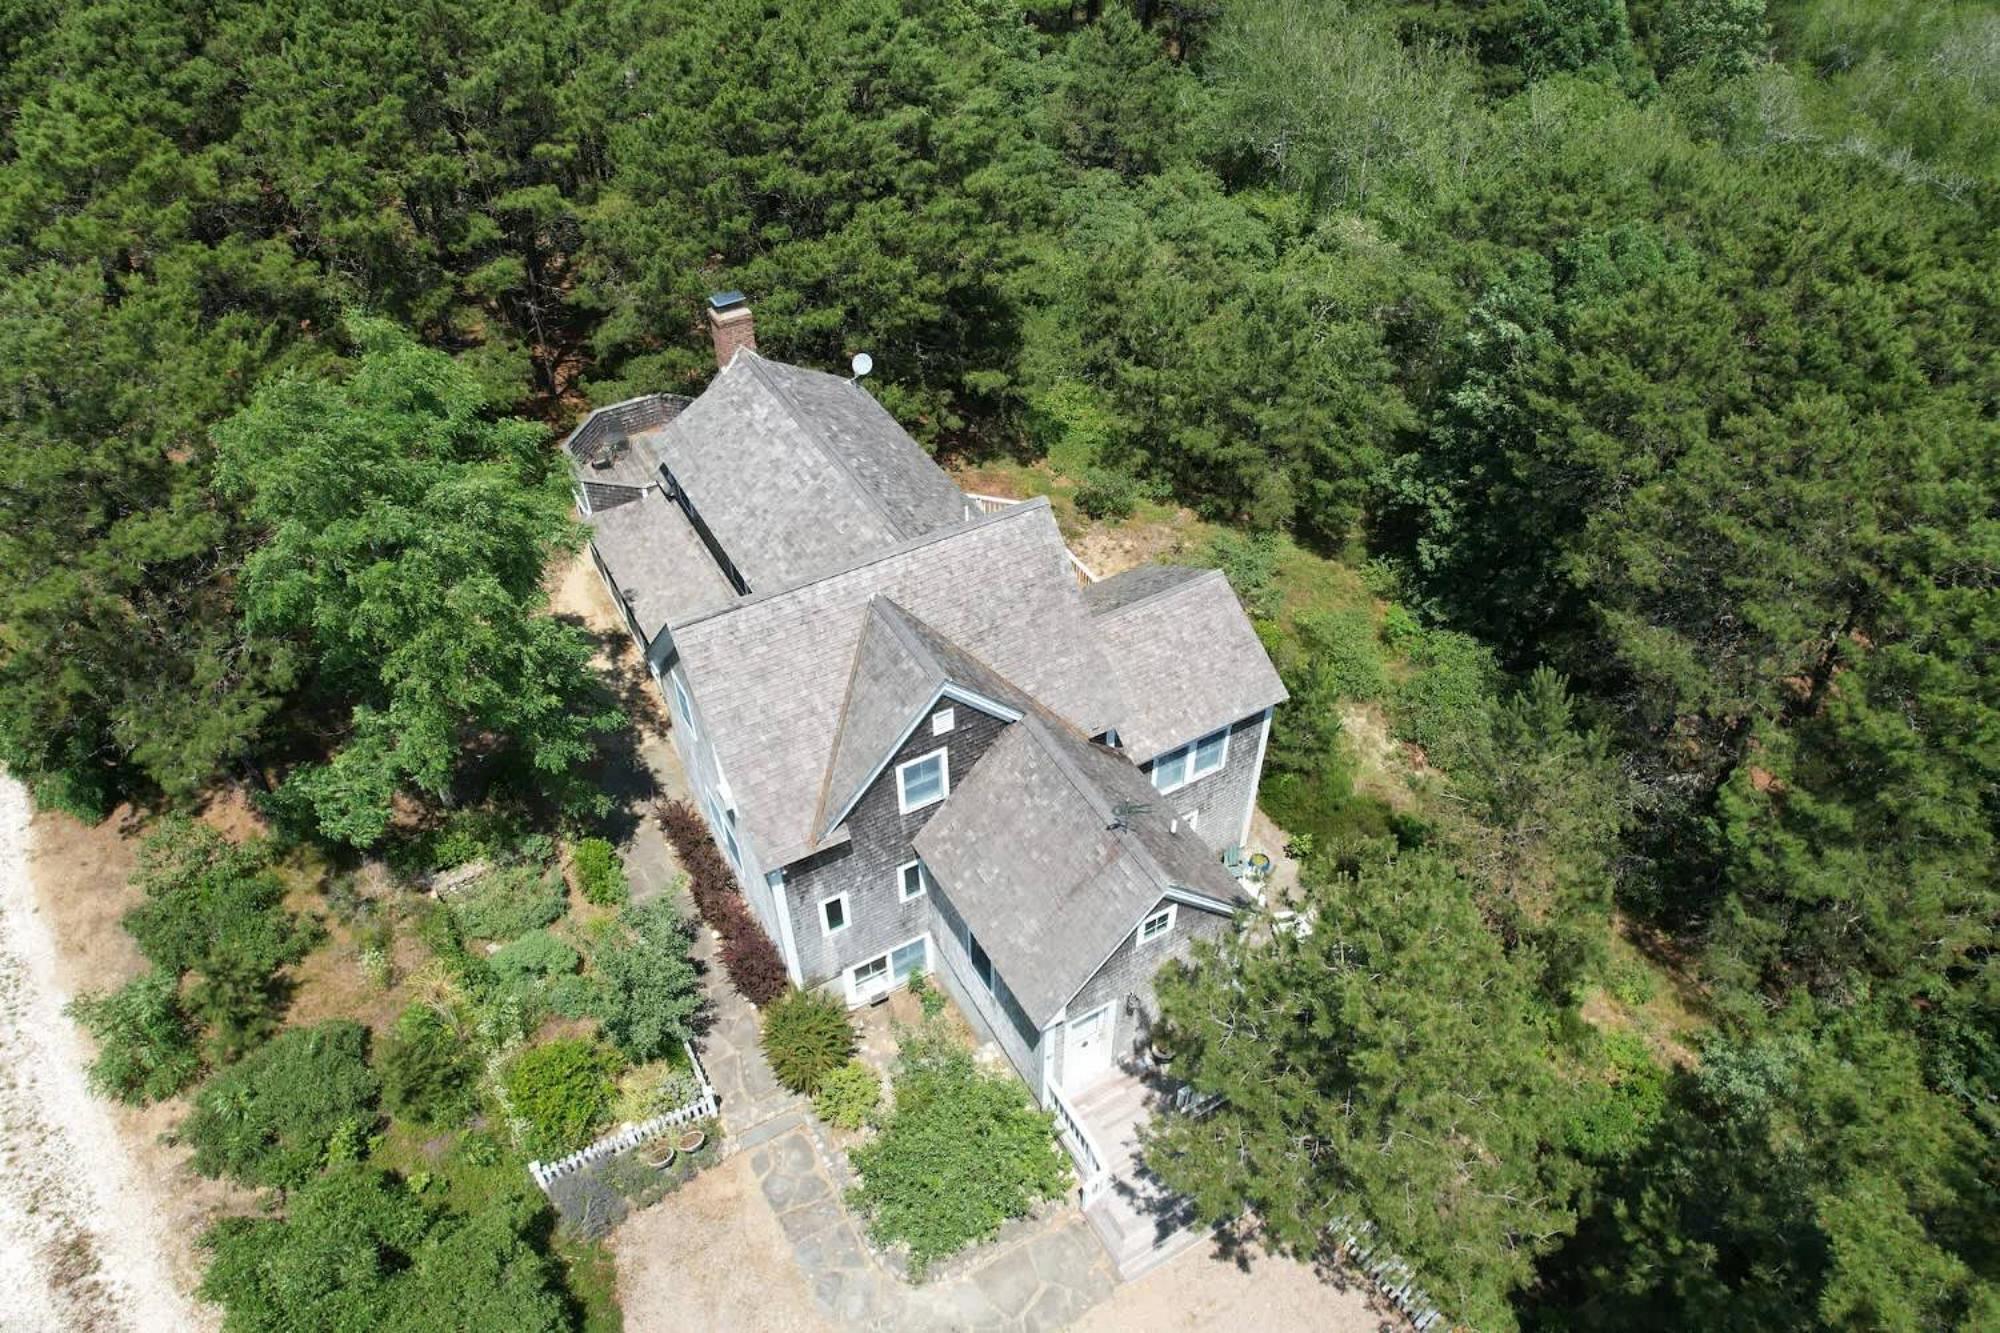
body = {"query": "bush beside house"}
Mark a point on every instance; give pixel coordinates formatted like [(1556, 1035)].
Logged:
[(755, 967), (807, 1036)]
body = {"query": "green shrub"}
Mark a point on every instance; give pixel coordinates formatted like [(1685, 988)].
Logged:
[(962, 1152), (1615, 1112), (358, 1249), (429, 1072), (270, 1119), (807, 1036), (510, 901), (929, 998), (1250, 563), (1107, 494), (1341, 653), (1445, 701), (599, 876), (562, 1092), (206, 898), (654, 1089), (848, 1096), (572, 997), (649, 995), (145, 1040), (533, 957)]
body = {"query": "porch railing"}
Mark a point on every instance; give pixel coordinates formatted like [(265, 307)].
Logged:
[(1091, 1168), (993, 504)]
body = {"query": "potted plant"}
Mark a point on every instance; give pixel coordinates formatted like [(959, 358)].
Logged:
[(660, 1154), (692, 1138)]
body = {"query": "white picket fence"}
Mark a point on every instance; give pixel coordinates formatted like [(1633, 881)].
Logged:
[(701, 1108), (1386, 1272)]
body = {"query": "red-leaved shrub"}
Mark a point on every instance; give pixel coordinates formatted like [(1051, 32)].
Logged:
[(754, 964)]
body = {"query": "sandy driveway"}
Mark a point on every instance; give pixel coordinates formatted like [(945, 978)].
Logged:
[(80, 1224)]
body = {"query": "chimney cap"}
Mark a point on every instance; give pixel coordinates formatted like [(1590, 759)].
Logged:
[(725, 300)]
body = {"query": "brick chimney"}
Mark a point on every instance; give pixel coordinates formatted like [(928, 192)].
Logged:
[(730, 324)]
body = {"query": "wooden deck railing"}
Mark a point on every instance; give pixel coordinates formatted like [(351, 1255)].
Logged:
[(993, 504), (1091, 1169)]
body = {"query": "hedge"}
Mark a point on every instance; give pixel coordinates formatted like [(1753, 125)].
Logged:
[(754, 965)]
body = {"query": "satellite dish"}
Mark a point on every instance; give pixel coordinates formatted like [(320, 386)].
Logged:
[(862, 364)]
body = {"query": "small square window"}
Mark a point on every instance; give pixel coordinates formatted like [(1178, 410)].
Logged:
[(911, 881), (1156, 925), (923, 782), (833, 914), (943, 720)]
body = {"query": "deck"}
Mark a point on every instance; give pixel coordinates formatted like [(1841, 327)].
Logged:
[(1139, 1221)]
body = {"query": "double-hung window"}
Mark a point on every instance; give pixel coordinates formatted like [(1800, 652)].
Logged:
[(1177, 768), (911, 881), (682, 704), (923, 782), (833, 916)]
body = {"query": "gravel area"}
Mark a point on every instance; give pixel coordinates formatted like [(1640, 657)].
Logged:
[(80, 1243)]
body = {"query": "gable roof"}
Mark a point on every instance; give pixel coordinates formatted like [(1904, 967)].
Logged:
[(770, 674), (1187, 658), (796, 472), (1051, 851)]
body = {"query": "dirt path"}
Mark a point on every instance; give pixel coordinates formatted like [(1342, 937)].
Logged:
[(80, 1224)]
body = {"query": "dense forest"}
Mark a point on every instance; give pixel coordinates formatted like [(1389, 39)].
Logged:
[(1642, 355)]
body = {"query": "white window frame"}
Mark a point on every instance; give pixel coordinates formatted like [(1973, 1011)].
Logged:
[(943, 756), (730, 844), (683, 703), (943, 720), (1168, 912), (903, 895), (855, 995), (846, 915), (1183, 757)]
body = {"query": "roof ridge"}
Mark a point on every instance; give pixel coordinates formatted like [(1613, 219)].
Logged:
[(1039, 504), (1201, 576), (1115, 823), (760, 367)]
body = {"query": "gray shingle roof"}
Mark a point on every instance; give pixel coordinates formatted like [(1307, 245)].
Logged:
[(1137, 584), (1187, 660), (659, 562), (770, 673), (1050, 850), (892, 682), (798, 473)]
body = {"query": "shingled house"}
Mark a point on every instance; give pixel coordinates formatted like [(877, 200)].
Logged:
[(925, 738)]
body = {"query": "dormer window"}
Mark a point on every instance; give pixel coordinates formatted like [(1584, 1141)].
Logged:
[(923, 782)]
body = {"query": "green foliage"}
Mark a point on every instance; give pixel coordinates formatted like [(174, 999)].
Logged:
[(1427, 1106), (406, 533), (1725, 36), (510, 901), (1618, 1108), (145, 1040), (807, 1036), (1452, 685), (648, 990), (930, 999), (962, 1151), (534, 956), (271, 1118), (561, 1092), (1107, 494), (848, 1096), (356, 1248), (599, 876), (428, 1069)]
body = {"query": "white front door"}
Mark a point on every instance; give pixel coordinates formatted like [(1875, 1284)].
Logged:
[(1087, 1050)]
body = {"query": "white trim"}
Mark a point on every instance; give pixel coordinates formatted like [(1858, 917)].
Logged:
[(582, 498), (923, 881), (1188, 752), (781, 902), (1256, 778), (943, 721), (1101, 1013), (1139, 936), (943, 756), (683, 701), (846, 914), (1185, 897), (888, 960), (945, 691)]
